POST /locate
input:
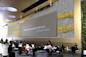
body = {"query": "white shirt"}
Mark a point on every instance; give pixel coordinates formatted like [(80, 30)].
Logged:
[(49, 47), (13, 45), (1, 48), (33, 46), (45, 47), (20, 44), (54, 48), (28, 47), (68, 49), (5, 49)]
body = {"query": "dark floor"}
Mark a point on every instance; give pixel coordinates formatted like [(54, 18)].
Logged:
[(64, 55)]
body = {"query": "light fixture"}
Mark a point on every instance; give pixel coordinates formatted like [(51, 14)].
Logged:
[(10, 9), (11, 16)]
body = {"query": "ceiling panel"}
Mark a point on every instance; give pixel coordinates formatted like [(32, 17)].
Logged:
[(24, 4), (20, 5)]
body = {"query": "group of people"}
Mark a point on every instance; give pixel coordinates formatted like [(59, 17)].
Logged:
[(7, 48), (25, 48), (48, 47)]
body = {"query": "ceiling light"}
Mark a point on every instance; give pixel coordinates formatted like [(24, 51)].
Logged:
[(11, 9), (11, 16)]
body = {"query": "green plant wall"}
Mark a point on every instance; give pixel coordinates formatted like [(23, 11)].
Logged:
[(83, 19)]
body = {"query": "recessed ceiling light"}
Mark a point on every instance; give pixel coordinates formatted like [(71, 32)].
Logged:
[(11, 16), (10, 9)]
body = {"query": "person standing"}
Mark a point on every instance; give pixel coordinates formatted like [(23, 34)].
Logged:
[(1, 49), (20, 46), (10, 50), (62, 48), (5, 50)]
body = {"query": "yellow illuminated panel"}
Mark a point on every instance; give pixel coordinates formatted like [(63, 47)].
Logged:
[(65, 28), (65, 15), (13, 28)]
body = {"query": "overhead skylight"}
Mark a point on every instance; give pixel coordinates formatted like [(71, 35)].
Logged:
[(11, 9)]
